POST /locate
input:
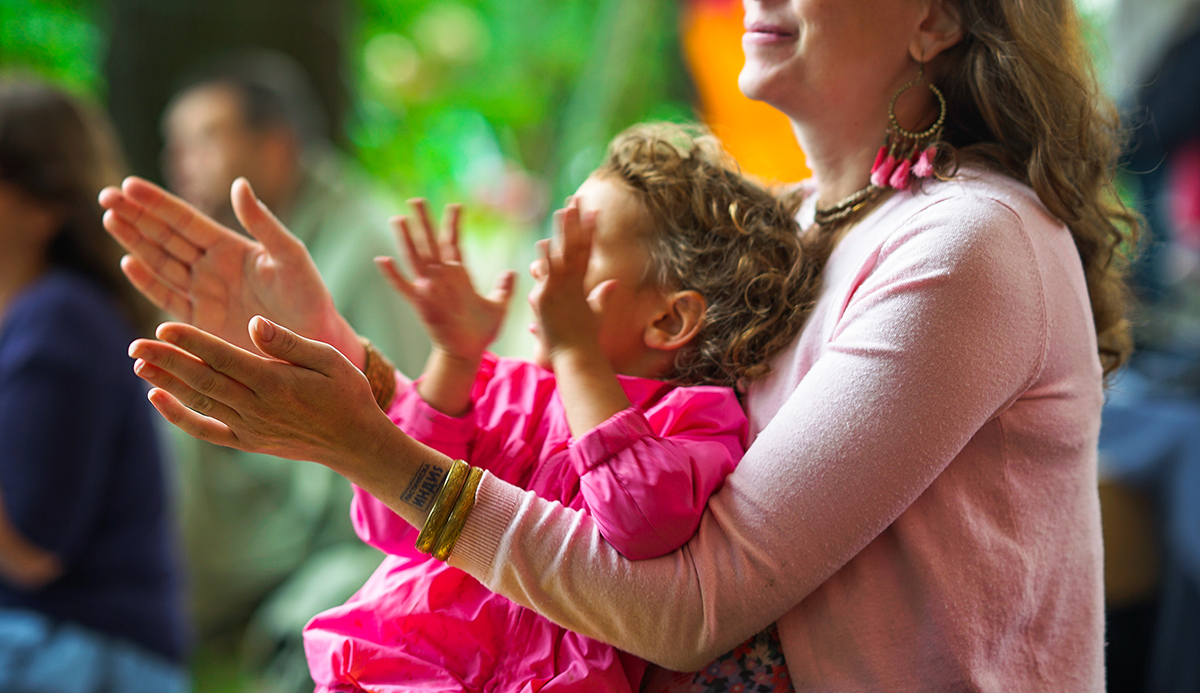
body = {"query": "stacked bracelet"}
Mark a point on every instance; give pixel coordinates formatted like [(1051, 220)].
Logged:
[(443, 504), (451, 507), (381, 374), (458, 516)]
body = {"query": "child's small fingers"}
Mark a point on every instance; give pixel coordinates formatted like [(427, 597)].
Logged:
[(422, 209), (450, 221), (547, 253), (503, 289), (539, 267), (416, 259), (394, 277), (559, 225), (576, 243)]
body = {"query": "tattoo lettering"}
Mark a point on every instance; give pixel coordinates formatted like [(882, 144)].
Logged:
[(424, 486)]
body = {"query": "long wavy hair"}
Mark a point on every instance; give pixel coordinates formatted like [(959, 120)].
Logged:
[(716, 232), (1023, 99), (61, 153)]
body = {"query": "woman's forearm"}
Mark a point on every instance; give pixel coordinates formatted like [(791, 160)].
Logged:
[(400, 472)]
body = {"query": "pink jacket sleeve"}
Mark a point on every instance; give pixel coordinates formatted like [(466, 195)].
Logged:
[(954, 299), (646, 478), (500, 383), (375, 523)]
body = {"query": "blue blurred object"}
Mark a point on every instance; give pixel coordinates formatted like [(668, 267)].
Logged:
[(39, 656)]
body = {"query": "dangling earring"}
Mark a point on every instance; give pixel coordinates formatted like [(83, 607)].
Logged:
[(905, 154)]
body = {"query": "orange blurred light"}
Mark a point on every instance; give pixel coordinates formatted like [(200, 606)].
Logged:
[(758, 136)]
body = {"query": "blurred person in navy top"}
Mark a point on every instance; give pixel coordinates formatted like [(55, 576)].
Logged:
[(89, 586)]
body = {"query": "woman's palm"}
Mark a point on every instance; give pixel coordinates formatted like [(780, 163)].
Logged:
[(210, 276)]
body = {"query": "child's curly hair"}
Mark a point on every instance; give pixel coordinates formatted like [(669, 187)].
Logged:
[(717, 233)]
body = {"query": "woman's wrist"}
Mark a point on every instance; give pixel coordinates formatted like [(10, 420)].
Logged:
[(341, 336), (400, 472)]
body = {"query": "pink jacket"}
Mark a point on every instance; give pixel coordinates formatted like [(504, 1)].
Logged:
[(643, 477), (918, 510)]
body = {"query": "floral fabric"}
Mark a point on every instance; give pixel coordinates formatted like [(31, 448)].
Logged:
[(755, 666)]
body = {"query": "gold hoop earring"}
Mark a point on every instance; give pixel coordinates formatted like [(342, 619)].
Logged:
[(904, 153)]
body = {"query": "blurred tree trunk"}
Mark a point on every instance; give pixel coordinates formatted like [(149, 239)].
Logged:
[(153, 43)]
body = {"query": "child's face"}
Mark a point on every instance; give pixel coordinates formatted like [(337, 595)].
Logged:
[(630, 304)]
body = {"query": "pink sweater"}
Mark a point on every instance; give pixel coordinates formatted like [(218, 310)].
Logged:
[(642, 478), (919, 508)]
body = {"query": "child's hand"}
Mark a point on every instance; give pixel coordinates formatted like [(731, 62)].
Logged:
[(460, 322), (560, 299)]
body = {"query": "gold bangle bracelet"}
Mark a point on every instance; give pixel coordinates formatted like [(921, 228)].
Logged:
[(380, 372), (458, 516), (442, 505)]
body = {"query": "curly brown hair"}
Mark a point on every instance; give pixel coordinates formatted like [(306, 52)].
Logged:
[(717, 233), (1022, 98)]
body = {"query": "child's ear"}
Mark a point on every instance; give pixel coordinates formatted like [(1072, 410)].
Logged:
[(679, 323)]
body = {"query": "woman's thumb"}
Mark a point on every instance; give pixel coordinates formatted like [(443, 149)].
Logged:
[(260, 222), (278, 342)]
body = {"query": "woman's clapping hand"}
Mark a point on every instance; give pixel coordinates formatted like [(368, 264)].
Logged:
[(210, 276), (303, 400)]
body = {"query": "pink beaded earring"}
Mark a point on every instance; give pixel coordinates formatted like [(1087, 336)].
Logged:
[(903, 155), (906, 154)]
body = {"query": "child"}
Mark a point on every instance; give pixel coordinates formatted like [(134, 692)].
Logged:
[(684, 284)]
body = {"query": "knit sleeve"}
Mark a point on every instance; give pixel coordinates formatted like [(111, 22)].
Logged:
[(943, 328)]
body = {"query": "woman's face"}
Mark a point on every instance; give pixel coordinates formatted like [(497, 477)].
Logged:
[(24, 222), (837, 59)]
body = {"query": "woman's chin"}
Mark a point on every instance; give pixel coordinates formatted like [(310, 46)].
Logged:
[(760, 83)]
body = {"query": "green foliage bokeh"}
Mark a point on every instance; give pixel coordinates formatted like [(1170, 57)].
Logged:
[(60, 40)]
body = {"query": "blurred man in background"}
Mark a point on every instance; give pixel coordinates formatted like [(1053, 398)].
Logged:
[(269, 541)]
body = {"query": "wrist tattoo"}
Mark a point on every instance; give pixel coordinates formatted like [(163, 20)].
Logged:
[(424, 486)]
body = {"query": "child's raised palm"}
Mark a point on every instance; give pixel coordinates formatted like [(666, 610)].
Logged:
[(460, 321)]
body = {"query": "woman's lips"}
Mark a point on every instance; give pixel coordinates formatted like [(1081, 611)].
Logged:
[(764, 33)]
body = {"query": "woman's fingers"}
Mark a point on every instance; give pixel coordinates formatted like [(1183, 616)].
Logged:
[(126, 211), (194, 424), (167, 297), (174, 212), (165, 265), (231, 362), (281, 343), (260, 222), (188, 378)]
